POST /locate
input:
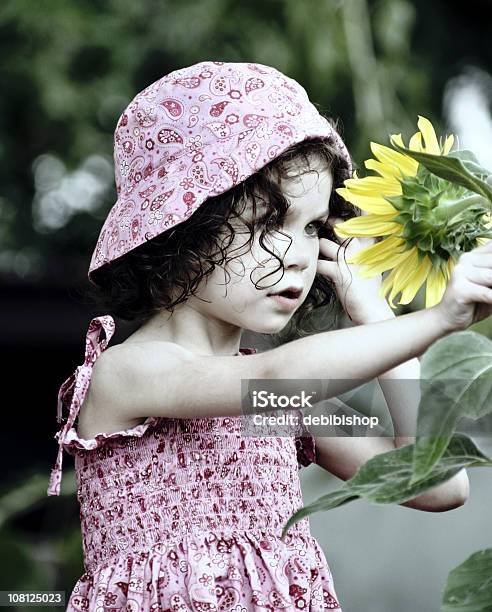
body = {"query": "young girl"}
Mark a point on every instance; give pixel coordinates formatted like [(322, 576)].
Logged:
[(225, 175)]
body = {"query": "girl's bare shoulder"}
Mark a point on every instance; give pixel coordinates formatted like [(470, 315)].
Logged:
[(127, 357), (147, 349)]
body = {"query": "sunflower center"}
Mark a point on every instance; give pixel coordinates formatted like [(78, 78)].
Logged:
[(431, 222)]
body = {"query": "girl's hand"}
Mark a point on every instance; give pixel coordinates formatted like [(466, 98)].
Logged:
[(468, 296), (358, 296)]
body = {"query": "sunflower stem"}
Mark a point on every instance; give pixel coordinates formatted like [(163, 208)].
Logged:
[(448, 210)]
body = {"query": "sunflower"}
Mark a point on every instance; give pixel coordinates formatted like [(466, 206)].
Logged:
[(424, 221)]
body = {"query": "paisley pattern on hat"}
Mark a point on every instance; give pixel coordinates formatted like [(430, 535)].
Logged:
[(196, 133)]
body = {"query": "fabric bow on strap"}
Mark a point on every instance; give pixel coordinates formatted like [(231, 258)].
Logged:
[(74, 389)]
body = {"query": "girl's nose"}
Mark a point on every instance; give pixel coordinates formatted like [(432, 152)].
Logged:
[(297, 255)]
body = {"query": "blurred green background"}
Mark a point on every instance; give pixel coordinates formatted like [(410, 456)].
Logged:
[(68, 69)]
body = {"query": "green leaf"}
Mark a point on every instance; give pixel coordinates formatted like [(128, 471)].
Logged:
[(471, 162), (413, 190), (386, 478), (469, 586), (456, 382), (450, 168), (467, 156), (326, 502), (398, 202)]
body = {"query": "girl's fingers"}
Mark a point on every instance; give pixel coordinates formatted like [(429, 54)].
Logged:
[(470, 292), (333, 221), (336, 251), (481, 294), (329, 269), (480, 259), (328, 248), (484, 248), (481, 276)]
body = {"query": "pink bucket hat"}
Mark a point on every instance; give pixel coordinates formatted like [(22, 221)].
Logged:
[(196, 133)]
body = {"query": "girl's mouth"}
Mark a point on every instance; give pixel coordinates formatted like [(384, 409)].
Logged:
[(288, 299)]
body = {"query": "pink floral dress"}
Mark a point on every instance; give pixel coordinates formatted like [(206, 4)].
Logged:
[(186, 514)]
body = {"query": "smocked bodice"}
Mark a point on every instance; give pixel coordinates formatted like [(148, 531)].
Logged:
[(181, 478)]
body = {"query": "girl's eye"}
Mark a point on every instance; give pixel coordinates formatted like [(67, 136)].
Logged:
[(318, 225), (273, 224)]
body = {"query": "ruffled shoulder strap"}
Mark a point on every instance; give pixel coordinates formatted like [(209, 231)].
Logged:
[(73, 390)]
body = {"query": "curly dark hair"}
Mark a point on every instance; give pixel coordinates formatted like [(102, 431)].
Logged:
[(165, 271)]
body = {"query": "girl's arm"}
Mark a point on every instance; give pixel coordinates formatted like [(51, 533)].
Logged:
[(403, 399), (164, 379), (403, 403), (343, 456)]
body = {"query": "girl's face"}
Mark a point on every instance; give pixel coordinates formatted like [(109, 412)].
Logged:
[(234, 299)]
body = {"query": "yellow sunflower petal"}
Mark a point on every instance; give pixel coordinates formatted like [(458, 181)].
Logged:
[(398, 139), (368, 225), (393, 261), (448, 144), (403, 272), (385, 170), (387, 285), (374, 253), (387, 156), (370, 204), (482, 241), (396, 279), (374, 186), (449, 267), (408, 268), (415, 143), (429, 135), (416, 280), (436, 285)]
